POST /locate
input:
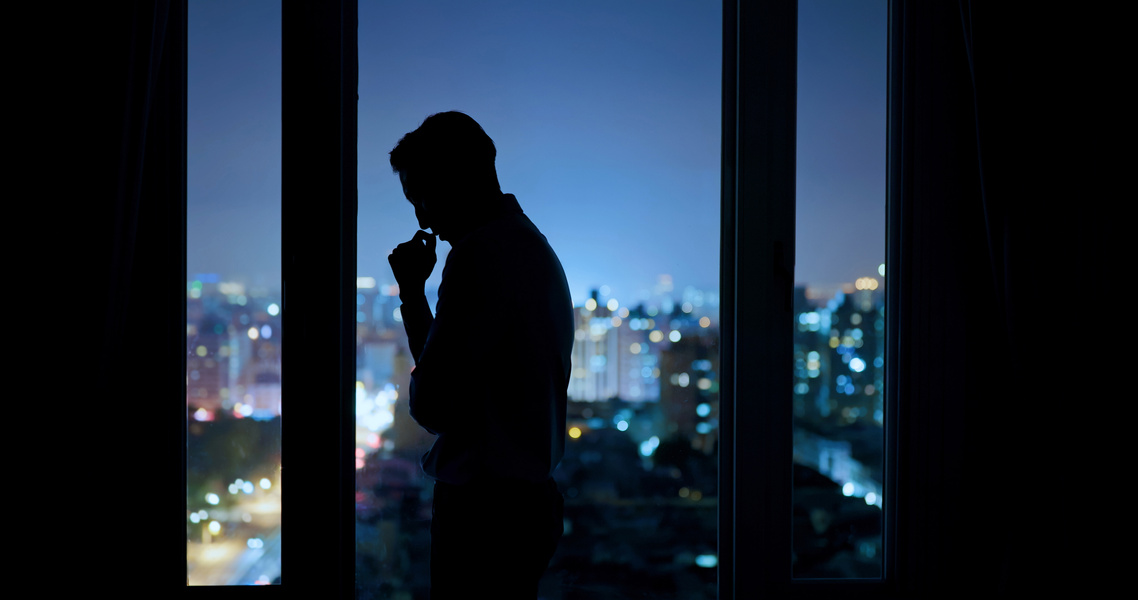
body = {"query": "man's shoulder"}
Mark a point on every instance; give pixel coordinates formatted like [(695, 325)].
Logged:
[(509, 234)]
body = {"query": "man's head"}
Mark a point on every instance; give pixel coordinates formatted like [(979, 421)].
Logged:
[(447, 170)]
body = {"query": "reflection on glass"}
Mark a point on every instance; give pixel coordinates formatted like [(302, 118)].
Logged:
[(839, 309), (606, 117), (233, 317)]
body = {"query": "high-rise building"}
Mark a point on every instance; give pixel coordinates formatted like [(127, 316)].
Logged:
[(613, 354)]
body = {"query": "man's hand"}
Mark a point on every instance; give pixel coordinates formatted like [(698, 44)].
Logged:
[(413, 261)]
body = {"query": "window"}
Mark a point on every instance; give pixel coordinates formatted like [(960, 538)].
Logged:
[(839, 308), (233, 314), (755, 302), (606, 120)]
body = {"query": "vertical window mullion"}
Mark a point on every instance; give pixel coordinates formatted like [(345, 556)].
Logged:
[(727, 522), (765, 93), (318, 192)]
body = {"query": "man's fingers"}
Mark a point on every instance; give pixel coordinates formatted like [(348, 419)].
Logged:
[(423, 236), (416, 243)]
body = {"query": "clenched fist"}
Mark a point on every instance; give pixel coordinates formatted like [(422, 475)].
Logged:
[(413, 260)]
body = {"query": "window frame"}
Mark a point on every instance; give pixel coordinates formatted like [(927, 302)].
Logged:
[(760, 52), (319, 76)]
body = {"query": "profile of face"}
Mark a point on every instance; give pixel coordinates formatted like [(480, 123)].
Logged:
[(443, 202), (426, 205)]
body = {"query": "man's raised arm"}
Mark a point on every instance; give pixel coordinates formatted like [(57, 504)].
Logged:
[(412, 263)]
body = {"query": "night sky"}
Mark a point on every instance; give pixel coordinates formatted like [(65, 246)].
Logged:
[(606, 116)]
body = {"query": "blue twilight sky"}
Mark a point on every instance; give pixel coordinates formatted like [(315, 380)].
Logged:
[(606, 116)]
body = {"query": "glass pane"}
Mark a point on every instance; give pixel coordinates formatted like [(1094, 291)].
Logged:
[(606, 119), (233, 320), (839, 300)]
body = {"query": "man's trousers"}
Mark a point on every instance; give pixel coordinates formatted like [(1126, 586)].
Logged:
[(493, 539)]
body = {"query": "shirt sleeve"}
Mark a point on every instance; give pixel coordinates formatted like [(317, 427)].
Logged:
[(443, 380), (417, 320)]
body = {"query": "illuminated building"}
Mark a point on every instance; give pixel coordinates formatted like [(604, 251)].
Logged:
[(839, 356), (233, 361), (613, 354)]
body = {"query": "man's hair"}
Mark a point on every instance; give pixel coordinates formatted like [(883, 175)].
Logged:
[(451, 146)]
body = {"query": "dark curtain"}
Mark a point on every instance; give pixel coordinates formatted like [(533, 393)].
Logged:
[(148, 190), (113, 202), (973, 452)]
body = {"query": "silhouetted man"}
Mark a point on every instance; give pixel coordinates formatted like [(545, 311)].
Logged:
[(491, 365)]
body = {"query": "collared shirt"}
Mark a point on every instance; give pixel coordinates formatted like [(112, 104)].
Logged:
[(492, 378)]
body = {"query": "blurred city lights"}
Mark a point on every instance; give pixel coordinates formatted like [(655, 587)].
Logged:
[(647, 447), (707, 561)]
